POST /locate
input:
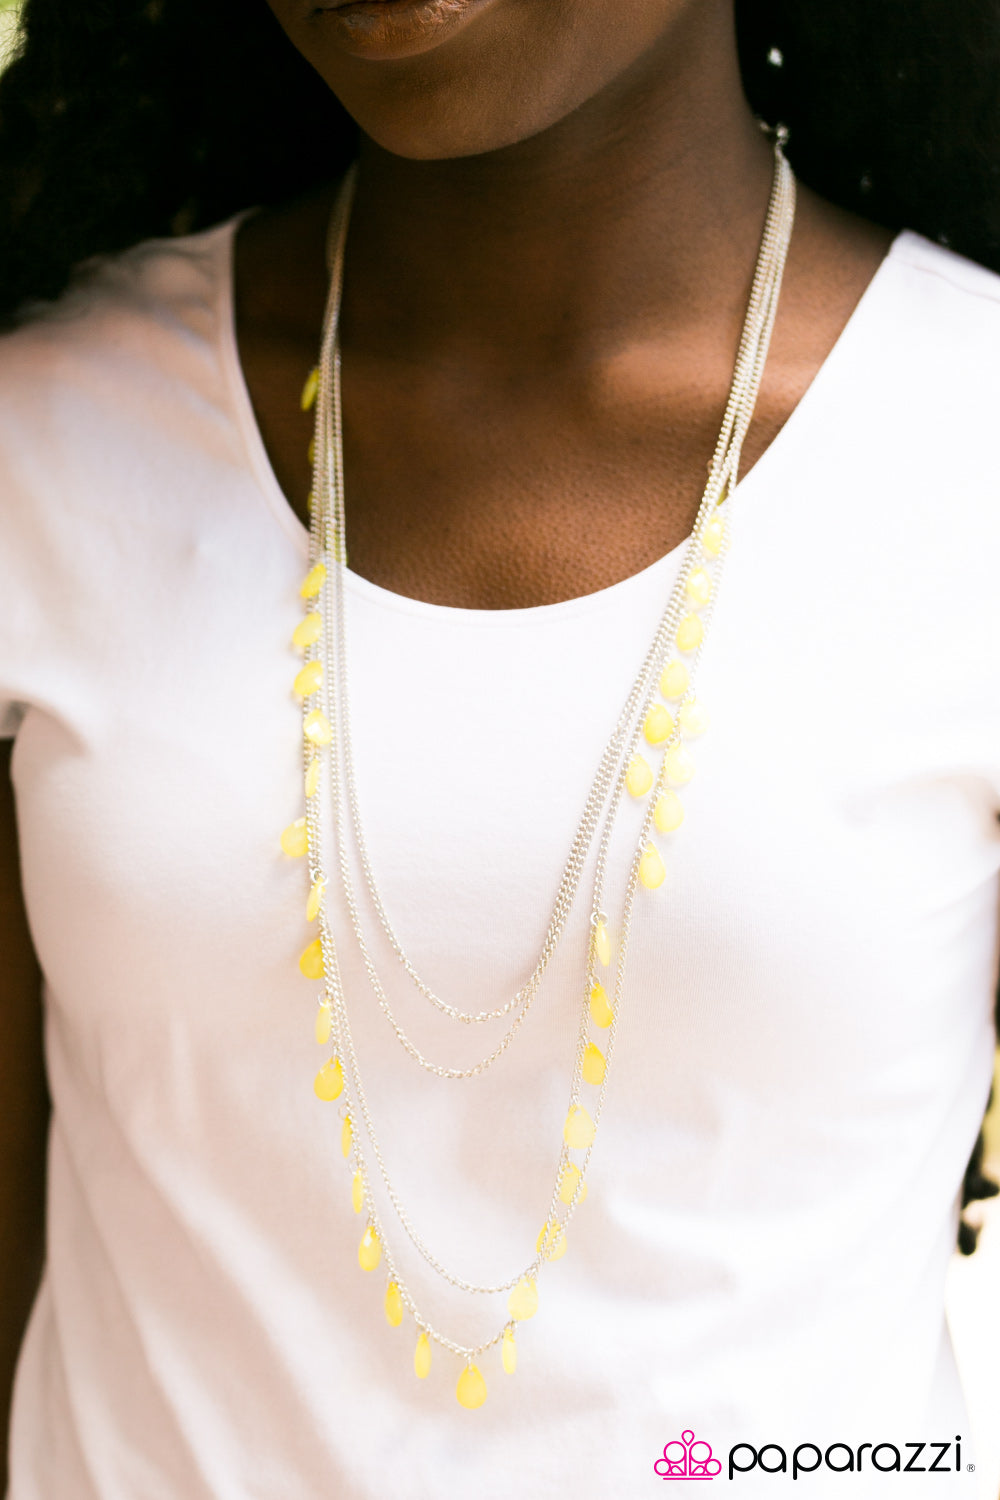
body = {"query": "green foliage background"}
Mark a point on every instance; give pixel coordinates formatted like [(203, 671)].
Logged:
[(8, 28)]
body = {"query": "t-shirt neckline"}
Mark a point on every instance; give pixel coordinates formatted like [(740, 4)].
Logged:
[(756, 479)]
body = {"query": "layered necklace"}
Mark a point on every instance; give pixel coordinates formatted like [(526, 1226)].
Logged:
[(646, 760)]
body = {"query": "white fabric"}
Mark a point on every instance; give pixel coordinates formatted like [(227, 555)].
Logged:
[(806, 1045)]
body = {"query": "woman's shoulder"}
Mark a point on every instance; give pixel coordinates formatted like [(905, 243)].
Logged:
[(113, 395), (944, 311), (120, 311), (966, 277), (930, 345), (124, 379)]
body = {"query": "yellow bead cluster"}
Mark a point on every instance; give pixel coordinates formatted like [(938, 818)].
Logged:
[(328, 1084), (579, 1131), (660, 726)]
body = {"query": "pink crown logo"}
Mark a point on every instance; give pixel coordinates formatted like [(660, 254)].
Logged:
[(687, 1459)]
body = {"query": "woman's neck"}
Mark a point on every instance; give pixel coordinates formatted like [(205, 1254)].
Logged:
[(538, 342), (639, 212)]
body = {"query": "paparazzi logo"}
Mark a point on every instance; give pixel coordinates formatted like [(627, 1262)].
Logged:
[(689, 1458), (841, 1458)]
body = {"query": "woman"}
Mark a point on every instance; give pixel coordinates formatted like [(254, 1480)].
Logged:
[(547, 263)]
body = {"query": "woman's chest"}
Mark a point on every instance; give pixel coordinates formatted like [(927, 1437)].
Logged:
[(821, 854)]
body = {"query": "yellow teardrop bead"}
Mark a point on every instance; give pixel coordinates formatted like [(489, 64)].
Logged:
[(658, 725), (712, 538), (295, 839), (651, 870), (668, 813), (594, 1065), (600, 1010), (312, 776), (309, 680), (471, 1389), (311, 451), (694, 719), (310, 388), (307, 630), (508, 1351), (551, 1241), (638, 777), (357, 1192), (690, 633), (370, 1250), (323, 1026), (523, 1300), (313, 582), (579, 1129), (567, 1183), (346, 1136), (698, 586), (316, 727), (329, 1081), (678, 765), (393, 1305), (674, 680), (422, 1357), (315, 897), (311, 960), (602, 944)]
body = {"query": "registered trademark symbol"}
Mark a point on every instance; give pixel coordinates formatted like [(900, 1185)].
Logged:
[(970, 1467)]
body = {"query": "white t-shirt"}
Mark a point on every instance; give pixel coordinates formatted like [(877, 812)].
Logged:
[(805, 1044)]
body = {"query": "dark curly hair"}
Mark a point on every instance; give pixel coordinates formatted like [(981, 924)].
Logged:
[(123, 119)]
